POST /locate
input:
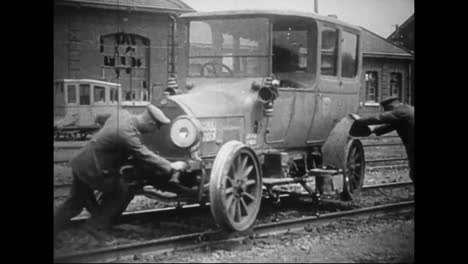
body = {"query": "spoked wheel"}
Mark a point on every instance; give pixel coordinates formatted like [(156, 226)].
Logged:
[(235, 187), (353, 170)]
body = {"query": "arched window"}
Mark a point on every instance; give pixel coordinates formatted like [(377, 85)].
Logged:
[(125, 59)]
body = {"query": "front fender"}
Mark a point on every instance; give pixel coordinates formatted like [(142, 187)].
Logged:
[(333, 150)]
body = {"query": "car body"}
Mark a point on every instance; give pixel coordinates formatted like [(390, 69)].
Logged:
[(268, 95)]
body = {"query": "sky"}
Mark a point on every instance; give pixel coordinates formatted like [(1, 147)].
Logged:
[(378, 16)]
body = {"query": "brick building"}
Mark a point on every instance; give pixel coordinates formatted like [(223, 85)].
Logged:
[(387, 69), (92, 37), (404, 34)]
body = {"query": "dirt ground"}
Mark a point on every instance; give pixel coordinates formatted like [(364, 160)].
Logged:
[(382, 240)]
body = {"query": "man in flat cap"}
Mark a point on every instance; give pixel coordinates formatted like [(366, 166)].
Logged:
[(396, 116), (97, 166)]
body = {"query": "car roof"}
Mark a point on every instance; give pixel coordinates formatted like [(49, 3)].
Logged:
[(266, 13)]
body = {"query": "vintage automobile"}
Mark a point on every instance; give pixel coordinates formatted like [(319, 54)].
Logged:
[(267, 103), (82, 105)]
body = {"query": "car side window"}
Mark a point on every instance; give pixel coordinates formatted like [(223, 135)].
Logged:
[(349, 55), (289, 50), (329, 51)]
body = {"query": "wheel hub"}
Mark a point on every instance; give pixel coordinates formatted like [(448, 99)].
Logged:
[(240, 187)]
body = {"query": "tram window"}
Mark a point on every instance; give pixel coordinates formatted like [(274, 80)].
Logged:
[(71, 91), (58, 88), (114, 95), (85, 94), (128, 96), (349, 55), (99, 94), (329, 51)]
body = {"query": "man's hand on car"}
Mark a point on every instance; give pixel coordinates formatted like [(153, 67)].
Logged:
[(355, 117), (179, 166)]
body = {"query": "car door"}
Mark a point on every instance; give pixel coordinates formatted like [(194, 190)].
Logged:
[(282, 116), (294, 64), (338, 92), (328, 85)]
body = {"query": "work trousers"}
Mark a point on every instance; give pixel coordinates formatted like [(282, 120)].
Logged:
[(114, 200), (411, 164)]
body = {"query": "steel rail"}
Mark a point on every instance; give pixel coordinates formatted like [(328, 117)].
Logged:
[(374, 160), (56, 161), (79, 219), (61, 190), (56, 148), (386, 160), (379, 137), (382, 144), (78, 144), (394, 166), (197, 240)]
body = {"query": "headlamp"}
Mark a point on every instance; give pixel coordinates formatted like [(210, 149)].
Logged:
[(185, 131)]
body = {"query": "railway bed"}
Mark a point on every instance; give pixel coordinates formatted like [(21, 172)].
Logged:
[(216, 237), (169, 222), (189, 209)]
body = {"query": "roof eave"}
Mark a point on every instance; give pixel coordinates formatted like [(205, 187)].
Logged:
[(126, 7), (407, 21), (387, 55)]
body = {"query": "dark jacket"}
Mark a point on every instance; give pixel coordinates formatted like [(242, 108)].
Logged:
[(401, 119), (110, 148)]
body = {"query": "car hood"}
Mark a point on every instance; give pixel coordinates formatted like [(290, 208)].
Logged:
[(218, 97)]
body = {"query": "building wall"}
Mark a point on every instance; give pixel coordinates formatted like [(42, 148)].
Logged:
[(77, 34), (384, 67)]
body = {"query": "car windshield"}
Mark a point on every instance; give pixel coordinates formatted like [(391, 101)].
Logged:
[(229, 48)]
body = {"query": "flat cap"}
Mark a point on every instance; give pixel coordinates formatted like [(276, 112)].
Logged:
[(389, 99), (157, 114)]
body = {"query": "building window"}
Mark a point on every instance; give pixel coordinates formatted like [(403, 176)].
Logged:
[(395, 85), (85, 94), (349, 55), (126, 61), (71, 94), (372, 87), (329, 51), (99, 94)]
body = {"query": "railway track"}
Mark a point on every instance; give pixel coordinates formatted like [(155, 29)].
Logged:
[(190, 208), (202, 239), (61, 190)]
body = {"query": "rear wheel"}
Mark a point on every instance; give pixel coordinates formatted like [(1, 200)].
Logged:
[(235, 187), (353, 170)]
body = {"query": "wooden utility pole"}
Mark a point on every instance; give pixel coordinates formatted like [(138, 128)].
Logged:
[(316, 6)]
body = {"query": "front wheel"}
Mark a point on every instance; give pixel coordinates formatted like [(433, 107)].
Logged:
[(235, 187)]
